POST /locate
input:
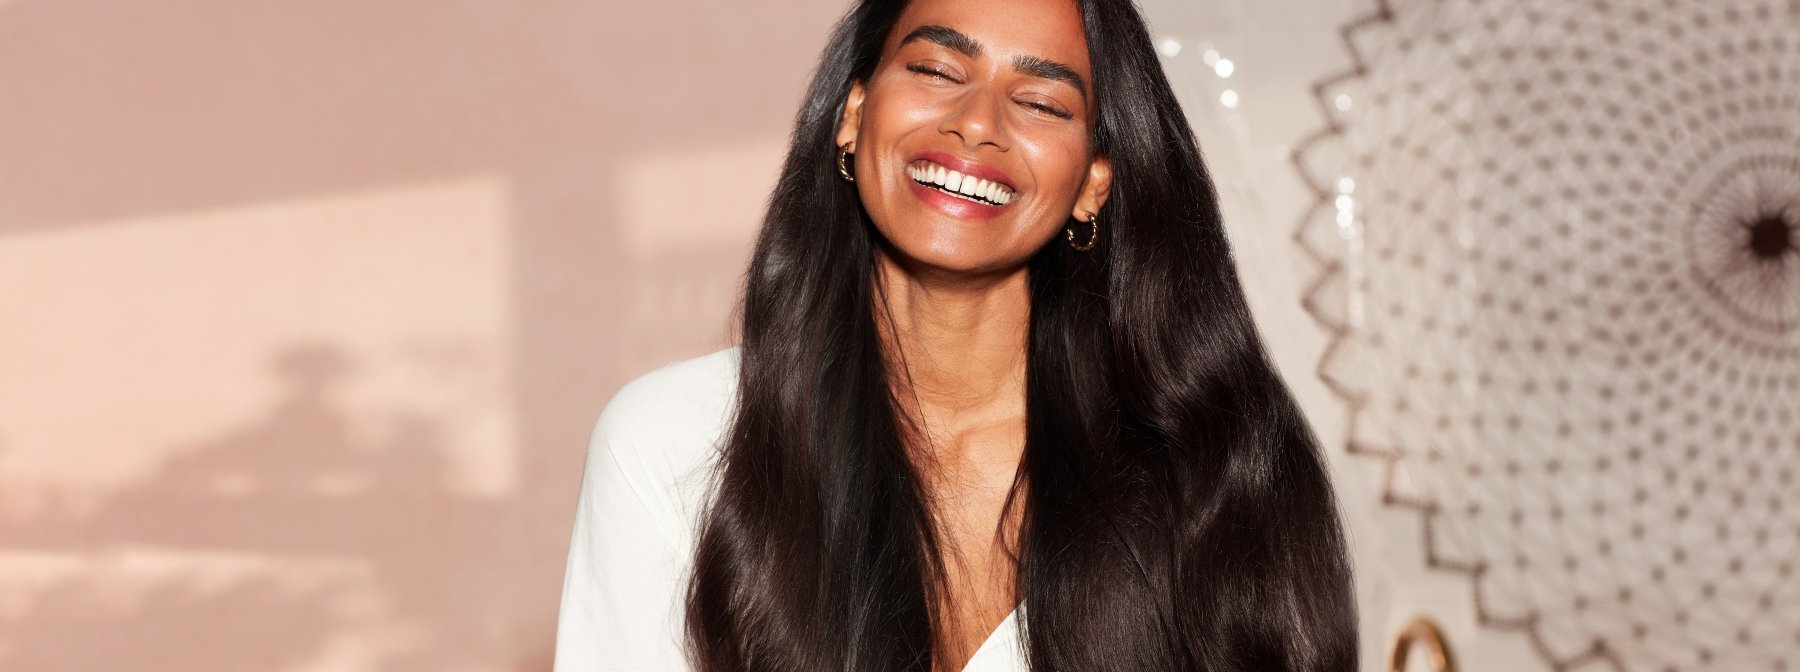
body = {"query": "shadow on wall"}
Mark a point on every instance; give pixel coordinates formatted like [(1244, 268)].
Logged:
[(292, 540), (287, 543)]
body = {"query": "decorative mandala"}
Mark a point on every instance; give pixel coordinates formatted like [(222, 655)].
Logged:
[(1559, 253)]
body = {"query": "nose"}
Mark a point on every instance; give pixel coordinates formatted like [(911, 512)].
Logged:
[(977, 119)]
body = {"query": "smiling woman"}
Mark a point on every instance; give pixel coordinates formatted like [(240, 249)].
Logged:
[(967, 427), (958, 123)]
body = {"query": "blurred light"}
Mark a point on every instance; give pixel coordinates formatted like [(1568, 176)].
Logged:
[(1344, 202), (1343, 102), (1229, 99), (1346, 185), (1170, 47), (1344, 219), (1210, 58), (1224, 67)]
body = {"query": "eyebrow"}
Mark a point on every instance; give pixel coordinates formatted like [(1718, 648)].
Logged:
[(1042, 68)]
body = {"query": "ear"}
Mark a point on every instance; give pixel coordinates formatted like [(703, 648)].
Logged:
[(1095, 189), (850, 121)]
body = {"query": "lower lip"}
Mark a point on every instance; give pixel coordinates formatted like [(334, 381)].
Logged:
[(953, 206)]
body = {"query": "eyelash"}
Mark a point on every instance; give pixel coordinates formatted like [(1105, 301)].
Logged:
[(1051, 111), (928, 70), (933, 72)]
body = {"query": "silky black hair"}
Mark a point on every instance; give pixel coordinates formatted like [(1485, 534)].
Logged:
[(1177, 514)]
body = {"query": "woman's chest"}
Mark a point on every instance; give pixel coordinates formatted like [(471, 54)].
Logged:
[(978, 544)]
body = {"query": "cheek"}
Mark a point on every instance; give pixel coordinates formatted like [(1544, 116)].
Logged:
[(1059, 165), (886, 118), (892, 108)]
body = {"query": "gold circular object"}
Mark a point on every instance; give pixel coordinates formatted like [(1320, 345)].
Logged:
[(1093, 236), (843, 153), (1422, 631)]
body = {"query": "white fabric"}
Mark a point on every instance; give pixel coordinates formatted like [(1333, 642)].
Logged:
[(648, 470)]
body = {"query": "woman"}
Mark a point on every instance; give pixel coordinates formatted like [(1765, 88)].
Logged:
[(998, 405)]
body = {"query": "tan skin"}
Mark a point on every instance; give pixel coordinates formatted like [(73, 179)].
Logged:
[(957, 287)]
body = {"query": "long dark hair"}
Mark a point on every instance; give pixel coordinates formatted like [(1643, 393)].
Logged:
[(1178, 515)]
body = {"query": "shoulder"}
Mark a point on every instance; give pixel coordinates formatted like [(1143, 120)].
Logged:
[(661, 432), (691, 394)]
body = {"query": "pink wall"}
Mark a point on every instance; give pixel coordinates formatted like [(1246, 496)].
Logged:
[(306, 308)]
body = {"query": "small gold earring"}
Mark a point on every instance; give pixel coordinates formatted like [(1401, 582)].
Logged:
[(844, 170), (1093, 236)]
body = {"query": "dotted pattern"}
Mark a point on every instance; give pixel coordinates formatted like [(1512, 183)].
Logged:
[(1563, 292)]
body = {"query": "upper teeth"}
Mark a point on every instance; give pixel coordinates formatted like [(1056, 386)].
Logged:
[(950, 180)]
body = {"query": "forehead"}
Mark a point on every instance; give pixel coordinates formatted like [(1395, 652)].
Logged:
[(1048, 29)]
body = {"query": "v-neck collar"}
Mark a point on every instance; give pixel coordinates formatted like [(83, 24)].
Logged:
[(1000, 652)]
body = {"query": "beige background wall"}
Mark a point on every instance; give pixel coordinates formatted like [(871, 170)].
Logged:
[(308, 307)]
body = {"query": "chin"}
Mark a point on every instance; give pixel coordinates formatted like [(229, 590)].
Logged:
[(950, 253)]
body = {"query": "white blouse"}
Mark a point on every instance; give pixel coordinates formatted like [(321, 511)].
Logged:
[(648, 469)]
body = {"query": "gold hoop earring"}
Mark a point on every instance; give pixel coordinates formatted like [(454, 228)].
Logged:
[(1093, 235), (844, 170)]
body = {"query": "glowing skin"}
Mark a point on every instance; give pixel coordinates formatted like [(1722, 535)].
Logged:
[(1002, 90), (926, 96)]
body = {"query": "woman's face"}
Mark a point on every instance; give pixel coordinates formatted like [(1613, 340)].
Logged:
[(991, 93)]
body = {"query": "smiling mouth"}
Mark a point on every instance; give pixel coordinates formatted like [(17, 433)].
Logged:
[(959, 185)]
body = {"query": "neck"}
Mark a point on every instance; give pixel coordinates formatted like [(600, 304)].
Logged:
[(956, 345)]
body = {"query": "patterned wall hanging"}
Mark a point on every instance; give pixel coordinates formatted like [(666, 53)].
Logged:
[(1560, 267)]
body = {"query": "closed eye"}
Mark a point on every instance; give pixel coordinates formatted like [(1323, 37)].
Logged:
[(941, 76), (1046, 109), (929, 71)]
